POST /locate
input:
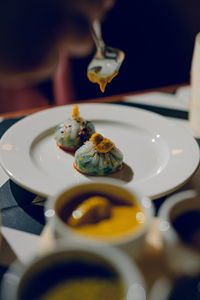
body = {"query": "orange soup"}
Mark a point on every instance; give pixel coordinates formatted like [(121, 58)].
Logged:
[(101, 216)]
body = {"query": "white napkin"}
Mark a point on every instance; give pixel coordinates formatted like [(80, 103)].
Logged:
[(179, 101)]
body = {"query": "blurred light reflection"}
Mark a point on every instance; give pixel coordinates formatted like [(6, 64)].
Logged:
[(136, 292), (7, 147), (49, 213), (146, 202), (164, 225), (176, 151), (140, 216)]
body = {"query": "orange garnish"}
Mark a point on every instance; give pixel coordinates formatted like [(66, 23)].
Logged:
[(75, 112), (101, 144)]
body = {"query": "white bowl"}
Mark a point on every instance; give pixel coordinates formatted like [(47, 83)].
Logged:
[(131, 243), (21, 279), (183, 288), (161, 289), (181, 257)]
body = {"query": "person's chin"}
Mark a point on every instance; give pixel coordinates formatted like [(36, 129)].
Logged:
[(77, 45), (26, 79)]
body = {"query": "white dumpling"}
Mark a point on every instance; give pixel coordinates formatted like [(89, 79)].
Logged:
[(98, 156), (75, 132)]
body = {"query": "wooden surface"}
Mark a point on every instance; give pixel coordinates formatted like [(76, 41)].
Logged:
[(168, 89)]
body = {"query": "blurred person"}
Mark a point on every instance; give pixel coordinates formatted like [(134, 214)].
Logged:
[(38, 36)]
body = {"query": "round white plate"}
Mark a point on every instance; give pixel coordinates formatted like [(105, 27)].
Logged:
[(159, 156)]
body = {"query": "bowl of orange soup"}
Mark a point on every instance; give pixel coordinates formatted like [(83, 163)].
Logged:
[(101, 211), (76, 271)]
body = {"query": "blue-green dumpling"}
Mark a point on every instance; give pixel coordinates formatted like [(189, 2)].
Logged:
[(98, 156), (74, 133)]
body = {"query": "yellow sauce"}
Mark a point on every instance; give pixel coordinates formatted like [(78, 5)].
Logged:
[(122, 219), (87, 289), (102, 81)]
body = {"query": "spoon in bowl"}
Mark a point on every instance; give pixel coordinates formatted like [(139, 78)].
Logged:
[(106, 62)]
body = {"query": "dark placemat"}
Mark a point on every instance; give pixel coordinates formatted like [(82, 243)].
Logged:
[(12, 195), (7, 123), (18, 211), (29, 218)]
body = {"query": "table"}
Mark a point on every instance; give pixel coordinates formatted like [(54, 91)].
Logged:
[(22, 212)]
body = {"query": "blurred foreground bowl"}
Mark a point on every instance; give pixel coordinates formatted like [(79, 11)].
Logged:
[(86, 271), (180, 228)]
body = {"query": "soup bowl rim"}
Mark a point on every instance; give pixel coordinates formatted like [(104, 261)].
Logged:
[(58, 225)]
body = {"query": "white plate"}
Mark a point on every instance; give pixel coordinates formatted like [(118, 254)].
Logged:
[(159, 156)]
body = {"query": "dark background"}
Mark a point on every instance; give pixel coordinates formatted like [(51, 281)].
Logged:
[(157, 37)]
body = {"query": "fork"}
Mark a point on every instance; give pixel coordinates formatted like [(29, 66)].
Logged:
[(106, 61)]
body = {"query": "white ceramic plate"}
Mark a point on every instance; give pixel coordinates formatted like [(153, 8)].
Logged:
[(158, 155)]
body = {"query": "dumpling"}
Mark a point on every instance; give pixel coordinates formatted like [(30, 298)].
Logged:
[(98, 156), (74, 133)]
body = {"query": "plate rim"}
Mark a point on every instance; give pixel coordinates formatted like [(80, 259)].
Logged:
[(114, 107)]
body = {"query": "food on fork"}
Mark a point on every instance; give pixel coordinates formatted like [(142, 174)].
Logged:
[(106, 62), (98, 156), (94, 76), (74, 133)]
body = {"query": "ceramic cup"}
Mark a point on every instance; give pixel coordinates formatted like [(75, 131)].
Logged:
[(40, 275), (132, 242), (181, 256), (194, 107), (184, 287), (161, 289)]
